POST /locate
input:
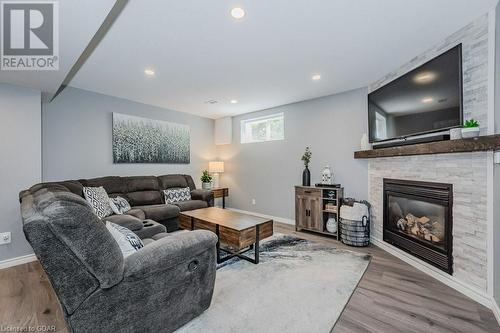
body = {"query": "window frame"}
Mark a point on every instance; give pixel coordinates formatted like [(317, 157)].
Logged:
[(245, 131)]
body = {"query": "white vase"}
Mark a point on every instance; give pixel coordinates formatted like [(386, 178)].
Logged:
[(455, 133), (331, 225), (365, 143), (206, 186), (470, 132)]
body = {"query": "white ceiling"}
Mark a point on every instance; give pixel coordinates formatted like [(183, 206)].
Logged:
[(199, 52), (78, 22)]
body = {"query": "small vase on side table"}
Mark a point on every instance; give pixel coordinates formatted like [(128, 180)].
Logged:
[(306, 177)]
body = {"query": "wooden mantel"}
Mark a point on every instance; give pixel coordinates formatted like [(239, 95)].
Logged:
[(482, 143)]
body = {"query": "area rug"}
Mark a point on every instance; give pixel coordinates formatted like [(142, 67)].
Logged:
[(298, 286)]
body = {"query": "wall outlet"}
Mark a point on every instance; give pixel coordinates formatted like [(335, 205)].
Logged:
[(5, 238), (253, 201)]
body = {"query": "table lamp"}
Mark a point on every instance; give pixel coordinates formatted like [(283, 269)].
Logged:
[(216, 167)]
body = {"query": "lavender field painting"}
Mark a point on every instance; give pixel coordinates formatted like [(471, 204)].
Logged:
[(142, 140)]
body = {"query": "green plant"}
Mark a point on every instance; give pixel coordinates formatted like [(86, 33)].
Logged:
[(471, 123), (306, 157), (205, 177)]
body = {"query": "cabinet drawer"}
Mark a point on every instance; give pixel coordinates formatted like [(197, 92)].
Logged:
[(310, 192)]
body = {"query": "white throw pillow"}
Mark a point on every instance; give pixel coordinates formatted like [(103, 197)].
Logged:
[(119, 205), (177, 194), (128, 242), (98, 198)]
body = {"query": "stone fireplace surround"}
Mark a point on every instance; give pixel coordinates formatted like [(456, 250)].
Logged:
[(470, 173)]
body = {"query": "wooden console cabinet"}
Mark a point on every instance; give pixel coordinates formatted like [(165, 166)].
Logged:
[(314, 205)]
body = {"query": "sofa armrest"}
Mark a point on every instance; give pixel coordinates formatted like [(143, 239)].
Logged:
[(205, 195), (168, 252)]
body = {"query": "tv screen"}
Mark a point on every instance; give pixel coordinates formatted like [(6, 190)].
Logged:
[(427, 99)]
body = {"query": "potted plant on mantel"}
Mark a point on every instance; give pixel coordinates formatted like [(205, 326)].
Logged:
[(306, 174), (470, 129), (206, 180)]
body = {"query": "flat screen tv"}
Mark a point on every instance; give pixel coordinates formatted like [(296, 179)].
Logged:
[(427, 99)]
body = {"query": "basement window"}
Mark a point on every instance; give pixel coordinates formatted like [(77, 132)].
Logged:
[(267, 128)]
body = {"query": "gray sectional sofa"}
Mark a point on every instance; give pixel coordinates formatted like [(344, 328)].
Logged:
[(145, 195), (159, 288)]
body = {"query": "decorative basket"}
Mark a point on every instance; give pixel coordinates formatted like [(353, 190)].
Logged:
[(354, 224)]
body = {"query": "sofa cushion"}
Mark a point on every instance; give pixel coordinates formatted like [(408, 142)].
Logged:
[(68, 217), (173, 195), (142, 198), (190, 182), (191, 204), (169, 181), (142, 183), (160, 212), (160, 236), (112, 184), (74, 186), (127, 221), (137, 213), (150, 229), (99, 200), (128, 242), (119, 205)]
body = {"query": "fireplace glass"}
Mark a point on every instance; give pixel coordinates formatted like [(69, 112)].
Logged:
[(418, 219)]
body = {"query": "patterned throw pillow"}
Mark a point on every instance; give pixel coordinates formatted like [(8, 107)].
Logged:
[(119, 205), (99, 200), (177, 194), (126, 239)]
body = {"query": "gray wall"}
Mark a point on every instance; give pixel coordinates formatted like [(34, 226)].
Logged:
[(496, 176), (20, 165), (77, 133), (332, 126)]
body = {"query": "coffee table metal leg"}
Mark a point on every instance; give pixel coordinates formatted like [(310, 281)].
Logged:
[(239, 254), (218, 243), (257, 234)]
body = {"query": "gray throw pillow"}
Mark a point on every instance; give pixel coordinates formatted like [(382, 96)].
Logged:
[(119, 205), (98, 198), (128, 242), (177, 194)]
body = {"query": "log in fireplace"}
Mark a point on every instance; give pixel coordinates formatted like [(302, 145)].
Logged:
[(418, 219)]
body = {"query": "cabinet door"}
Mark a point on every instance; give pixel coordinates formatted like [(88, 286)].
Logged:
[(316, 214), (301, 209)]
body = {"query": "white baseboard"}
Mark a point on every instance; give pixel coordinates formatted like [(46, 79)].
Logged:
[(496, 309), (449, 280), (274, 218), (17, 261)]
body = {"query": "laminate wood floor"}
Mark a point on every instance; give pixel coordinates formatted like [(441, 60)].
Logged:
[(391, 297)]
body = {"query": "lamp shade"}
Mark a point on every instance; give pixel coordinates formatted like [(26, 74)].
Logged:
[(216, 166)]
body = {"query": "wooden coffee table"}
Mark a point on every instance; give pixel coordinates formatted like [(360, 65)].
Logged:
[(238, 232)]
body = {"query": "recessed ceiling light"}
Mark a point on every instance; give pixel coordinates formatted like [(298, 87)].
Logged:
[(149, 72), (425, 77), (211, 101), (237, 13), (233, 101), (427, 100), (316, 77)]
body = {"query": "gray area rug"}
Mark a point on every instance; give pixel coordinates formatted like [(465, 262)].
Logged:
[(298, 286)]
